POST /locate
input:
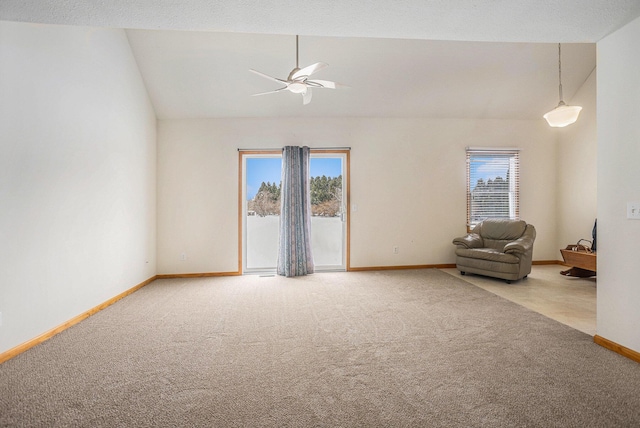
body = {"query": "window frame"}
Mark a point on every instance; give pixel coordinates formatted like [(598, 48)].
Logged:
[(479, 155)]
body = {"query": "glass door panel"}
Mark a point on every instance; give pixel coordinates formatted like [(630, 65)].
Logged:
[(262, 174), (328, 210)]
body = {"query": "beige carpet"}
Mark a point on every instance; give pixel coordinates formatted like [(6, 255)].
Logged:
[(372, 349)]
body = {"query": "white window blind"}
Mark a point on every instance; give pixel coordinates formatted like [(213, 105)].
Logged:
[(493, 184)]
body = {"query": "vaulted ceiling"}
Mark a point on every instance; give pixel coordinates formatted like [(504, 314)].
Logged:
[(442, 58), (204, 74)]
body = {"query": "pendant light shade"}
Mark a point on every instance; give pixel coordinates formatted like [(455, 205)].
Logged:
[(562, 115)]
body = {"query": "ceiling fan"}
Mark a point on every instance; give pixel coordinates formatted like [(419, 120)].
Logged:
[(298, 81)]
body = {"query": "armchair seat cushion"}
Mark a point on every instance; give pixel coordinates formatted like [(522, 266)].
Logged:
[(487, 254)]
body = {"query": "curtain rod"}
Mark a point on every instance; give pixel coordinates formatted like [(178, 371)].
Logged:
[(492, 149), (280, 149)]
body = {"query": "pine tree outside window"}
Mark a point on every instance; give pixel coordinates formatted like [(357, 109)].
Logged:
[(493, 185)]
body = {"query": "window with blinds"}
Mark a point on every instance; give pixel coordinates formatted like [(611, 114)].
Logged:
[(493, 184)]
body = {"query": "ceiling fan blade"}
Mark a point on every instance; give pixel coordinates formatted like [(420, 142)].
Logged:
[(269, 92), (267, 76), (306, 96), (309, 70), (324, 84)]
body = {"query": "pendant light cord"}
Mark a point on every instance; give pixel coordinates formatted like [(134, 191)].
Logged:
[(297, 51), (560, 73)]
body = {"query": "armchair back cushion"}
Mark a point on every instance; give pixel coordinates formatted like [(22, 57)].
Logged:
[(496, 233)]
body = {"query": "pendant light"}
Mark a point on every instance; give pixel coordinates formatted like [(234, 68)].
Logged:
[(562, 115)]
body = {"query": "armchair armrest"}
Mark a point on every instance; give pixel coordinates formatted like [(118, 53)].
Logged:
[(523, 244), (471, 240), (519, 246)]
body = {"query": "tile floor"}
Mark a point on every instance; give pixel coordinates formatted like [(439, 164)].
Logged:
[(571, 301)]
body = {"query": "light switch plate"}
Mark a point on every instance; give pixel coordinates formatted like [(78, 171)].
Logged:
[(633, 210)]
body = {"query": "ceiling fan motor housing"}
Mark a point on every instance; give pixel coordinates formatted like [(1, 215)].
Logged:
[(294, 71)]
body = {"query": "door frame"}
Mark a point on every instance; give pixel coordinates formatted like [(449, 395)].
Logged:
[(242, 203)]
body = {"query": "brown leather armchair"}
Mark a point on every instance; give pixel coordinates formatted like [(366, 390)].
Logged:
[(499, 248)]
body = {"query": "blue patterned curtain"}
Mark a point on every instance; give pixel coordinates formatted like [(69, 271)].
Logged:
[(294, 249)]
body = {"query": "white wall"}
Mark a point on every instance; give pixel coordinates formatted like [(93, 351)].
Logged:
[(619, 183), (577, 170), (77, 175), (407, 178)]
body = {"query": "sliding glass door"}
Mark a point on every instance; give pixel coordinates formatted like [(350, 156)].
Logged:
[(261, 176)]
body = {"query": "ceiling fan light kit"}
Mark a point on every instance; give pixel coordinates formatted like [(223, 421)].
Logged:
[(563, 114), (297, 88), (298, 81)]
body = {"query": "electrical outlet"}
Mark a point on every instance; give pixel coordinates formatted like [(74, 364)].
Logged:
[(633, 210), (396, 250)]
